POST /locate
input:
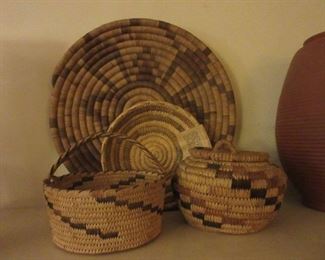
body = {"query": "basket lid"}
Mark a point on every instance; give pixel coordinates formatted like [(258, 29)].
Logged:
[(226, 152)]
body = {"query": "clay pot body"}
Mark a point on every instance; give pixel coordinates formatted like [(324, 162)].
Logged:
[(300, 125)]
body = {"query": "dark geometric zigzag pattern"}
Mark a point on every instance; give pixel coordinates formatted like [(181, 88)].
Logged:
[(208, 223), (110, 199), (128, 181), (82, 226)]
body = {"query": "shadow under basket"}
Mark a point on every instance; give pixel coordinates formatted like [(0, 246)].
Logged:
[(102, 212)]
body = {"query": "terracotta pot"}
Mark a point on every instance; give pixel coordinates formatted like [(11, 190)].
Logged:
[(300, 125)]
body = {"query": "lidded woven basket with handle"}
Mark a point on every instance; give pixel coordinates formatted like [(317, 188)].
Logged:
[(103, 212), (231, 191)]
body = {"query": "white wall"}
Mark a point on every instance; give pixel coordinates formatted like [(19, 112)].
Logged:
[(255, 40)]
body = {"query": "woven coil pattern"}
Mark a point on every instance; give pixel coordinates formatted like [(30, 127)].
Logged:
[(230, 197), (104, 212), (122, 63), (156, 125), (227, 153)]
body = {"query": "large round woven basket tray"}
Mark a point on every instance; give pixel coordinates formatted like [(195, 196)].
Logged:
[(166, 130), (122, 63), (103, 212)]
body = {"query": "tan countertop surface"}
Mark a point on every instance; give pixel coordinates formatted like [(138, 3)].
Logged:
[(297, 233)]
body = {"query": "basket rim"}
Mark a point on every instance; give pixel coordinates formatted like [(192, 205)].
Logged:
[(233, 162), (49, 183), (222, 156)]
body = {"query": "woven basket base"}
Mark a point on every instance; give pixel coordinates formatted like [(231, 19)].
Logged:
[(73, 240), (225, 228), (63, 246)]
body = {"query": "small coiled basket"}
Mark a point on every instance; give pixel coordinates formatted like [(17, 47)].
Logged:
[(157, 125), (103, 212), (229, 191)]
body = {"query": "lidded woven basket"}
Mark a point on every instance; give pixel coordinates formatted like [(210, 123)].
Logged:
[(231, 191), (103, 212)]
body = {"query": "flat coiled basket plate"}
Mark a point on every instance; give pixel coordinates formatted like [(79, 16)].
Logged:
[(122, 63), (166, 130)]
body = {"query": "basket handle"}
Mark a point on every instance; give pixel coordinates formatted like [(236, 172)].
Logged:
[(64, 156), (224, 146)]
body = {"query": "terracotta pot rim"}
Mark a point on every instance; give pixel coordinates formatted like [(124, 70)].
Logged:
[(315, 37)]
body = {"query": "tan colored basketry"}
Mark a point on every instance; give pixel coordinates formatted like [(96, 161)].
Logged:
[(123, 63), (228, 191), (168, 131), (103, 212)]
